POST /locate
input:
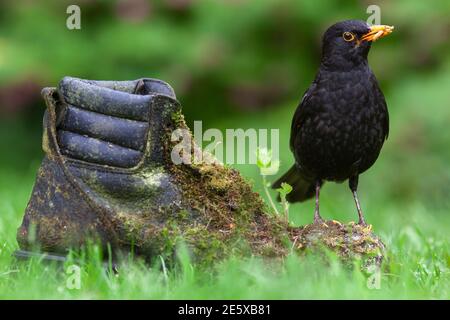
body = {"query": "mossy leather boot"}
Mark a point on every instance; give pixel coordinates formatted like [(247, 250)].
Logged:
[(107, 175), (103, 160)]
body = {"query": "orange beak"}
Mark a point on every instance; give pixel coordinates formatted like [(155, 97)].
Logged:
[(377, 32)]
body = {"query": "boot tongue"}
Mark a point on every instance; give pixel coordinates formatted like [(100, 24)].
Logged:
[(100, 125), (90, 96), (108, 122), (154, 86)]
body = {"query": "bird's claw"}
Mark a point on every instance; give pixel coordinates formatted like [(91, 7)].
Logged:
[(362, 224)]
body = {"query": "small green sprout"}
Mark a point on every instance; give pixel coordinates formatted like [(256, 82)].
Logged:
[(284, 191), (267, 166)]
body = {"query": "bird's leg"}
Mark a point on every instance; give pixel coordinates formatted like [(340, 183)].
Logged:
[(358, 207), (317, 217), (353, 184)]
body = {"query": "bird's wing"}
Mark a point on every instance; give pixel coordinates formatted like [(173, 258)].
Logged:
[(386, 121), (300, 113), (381, 98)]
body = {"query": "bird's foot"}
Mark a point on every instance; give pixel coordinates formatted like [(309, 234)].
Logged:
[(318, 219), (362, 222)]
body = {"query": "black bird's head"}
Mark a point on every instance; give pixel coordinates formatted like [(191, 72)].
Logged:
[(347, 43)]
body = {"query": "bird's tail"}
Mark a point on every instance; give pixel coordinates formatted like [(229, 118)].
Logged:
[(302, 189)]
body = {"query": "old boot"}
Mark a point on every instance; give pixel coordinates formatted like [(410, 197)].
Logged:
[(103, 159)]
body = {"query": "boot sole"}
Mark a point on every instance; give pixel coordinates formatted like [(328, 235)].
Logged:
[(24, 255)]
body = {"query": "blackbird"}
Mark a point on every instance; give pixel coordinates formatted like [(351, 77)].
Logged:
[(342, 121)]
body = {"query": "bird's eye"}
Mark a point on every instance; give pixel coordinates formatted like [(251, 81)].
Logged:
[(348, 36)]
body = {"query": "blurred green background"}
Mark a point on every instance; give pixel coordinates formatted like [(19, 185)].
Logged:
[(239, 64)]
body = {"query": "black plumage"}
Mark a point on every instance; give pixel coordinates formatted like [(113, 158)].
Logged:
[(342, 121)]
